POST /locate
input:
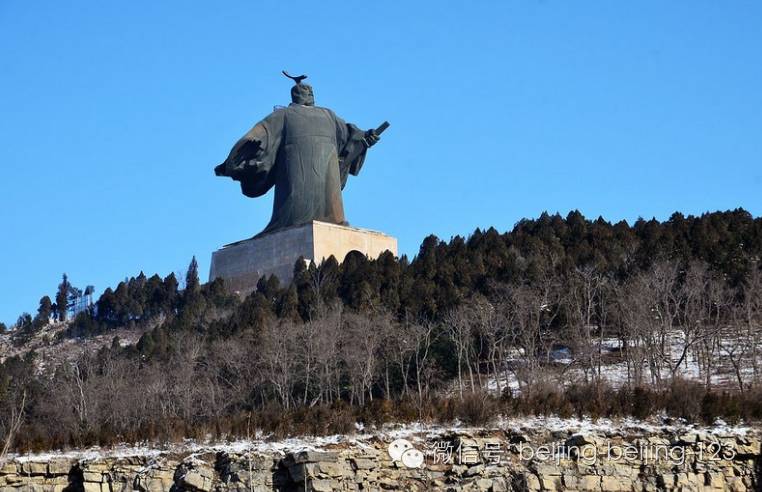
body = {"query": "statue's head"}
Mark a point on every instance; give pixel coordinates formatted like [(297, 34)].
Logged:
[(301, 93)]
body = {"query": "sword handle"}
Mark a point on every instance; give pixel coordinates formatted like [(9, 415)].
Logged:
[(383, 126)]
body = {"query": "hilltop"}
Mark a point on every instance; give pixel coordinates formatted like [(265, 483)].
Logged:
[(561, 315)]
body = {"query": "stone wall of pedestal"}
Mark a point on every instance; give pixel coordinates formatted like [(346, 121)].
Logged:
[(242, 263)]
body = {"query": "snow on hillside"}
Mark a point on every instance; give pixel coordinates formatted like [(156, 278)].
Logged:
[(564, 369), (52, 347)]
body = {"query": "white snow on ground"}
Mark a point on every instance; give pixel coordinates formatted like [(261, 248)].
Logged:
[(721, 375), (510, 381), (121, 451), (565, 370), (191, 447), (621, 425), (611, 344), (415, 432)]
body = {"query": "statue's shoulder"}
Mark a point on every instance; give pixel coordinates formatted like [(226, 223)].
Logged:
[(298, 108), (327, 111)]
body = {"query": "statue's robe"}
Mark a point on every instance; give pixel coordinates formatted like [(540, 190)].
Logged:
[(297, 149)]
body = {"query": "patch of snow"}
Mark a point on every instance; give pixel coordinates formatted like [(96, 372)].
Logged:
[(415, 432)]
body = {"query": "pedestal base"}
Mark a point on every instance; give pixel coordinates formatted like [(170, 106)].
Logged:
[(241, 264)]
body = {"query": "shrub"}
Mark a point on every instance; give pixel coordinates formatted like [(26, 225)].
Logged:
[(639, 402), (592, 399), (377, 412), (477, 408), (683, 399)]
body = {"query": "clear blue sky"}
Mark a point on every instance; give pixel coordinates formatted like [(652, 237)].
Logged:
[(113, 114)]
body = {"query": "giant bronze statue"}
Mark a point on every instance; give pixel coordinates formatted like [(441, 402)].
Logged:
[(306, 152)]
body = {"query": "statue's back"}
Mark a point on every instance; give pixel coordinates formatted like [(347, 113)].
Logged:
[(308, 184)]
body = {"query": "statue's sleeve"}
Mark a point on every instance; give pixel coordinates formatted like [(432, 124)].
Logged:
[(253, 158), (350, 142)]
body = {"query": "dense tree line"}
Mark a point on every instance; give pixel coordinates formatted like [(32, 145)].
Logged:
[(443, 274), (463, 316)]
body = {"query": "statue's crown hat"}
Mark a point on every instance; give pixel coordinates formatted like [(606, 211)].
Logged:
[(297, 80), (301, 93)]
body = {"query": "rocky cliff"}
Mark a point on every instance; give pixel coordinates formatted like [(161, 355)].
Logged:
[(455, 460)]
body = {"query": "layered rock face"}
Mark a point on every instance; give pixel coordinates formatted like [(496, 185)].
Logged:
[(474, 461)]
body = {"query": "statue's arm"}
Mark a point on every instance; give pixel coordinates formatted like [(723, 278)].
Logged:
[(351, 143), (252, 159)]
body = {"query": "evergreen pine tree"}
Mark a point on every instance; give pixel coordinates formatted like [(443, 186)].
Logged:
[(169, 299), (288, 306), (193, 302), (269, 287), (24, 323), (192, 282), (43, 312), (62, 298)]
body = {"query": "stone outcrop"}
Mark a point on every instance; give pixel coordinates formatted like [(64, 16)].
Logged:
[(486, 461)]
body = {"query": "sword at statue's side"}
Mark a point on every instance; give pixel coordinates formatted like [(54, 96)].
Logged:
[(378, 131), (370, 138)]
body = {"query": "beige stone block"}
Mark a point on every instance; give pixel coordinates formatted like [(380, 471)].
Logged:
[(550, 482), (57, 480), (533, 483), (386, 483), (696, 478), (735, 484), (474, 471), (90, 476), (97, 466), (92, 487), (624, 471), (548, 469), (34, 487), (484, 484), (242, 263), (330, 469), (570, 481), (590, 482), (59, 467), (751, 448), (14, 479), (613, 484), (364, 463), (34, 468), (499, 485), (196, 480)]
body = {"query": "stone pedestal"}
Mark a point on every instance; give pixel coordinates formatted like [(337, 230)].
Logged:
[(241, 264)]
